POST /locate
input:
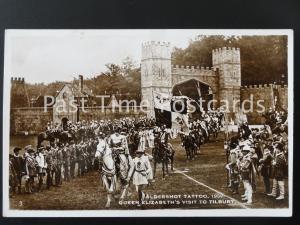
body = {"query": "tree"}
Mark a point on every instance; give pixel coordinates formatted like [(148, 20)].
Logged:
[(263, 58)]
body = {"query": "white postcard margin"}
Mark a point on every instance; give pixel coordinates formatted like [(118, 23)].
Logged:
[(7, 212)]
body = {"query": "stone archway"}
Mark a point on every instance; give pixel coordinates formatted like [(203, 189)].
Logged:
[(196, 90)]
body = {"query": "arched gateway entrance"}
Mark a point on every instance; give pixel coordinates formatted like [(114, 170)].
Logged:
[(221, 82), (196, 90)]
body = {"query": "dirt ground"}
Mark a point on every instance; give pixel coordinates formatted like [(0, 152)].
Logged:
[(200, 183)]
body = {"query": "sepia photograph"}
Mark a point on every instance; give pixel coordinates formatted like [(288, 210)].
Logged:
[(158, 122)]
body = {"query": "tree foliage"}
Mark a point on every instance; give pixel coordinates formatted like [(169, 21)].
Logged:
[(117, 79), (263, 58)]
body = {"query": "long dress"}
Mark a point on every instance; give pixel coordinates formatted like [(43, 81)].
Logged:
[(141, 169), (150, 138), (142, 141)]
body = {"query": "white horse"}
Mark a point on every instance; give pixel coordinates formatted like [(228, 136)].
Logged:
[(108, 171), (109, 174)]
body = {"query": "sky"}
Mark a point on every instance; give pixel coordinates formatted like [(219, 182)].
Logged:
[(60, 55)]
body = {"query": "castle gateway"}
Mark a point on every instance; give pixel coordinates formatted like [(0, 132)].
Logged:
[(221, 81)]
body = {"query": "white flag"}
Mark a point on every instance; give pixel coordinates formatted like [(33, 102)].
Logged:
[(161, 101)]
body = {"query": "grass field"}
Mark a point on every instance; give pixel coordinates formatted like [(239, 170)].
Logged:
[(205, 177)]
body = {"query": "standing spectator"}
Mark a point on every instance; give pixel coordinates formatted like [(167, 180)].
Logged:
[(49, 170), (66, 162), (246, 167), (41, 166), (80, 157), (279, 165), (18, 167), (31, 172), (73, 159), (141, 171), (265, 169), (59, 158)]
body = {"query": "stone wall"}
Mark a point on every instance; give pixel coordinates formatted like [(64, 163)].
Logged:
[(267, 93), (207, 75), (34, 120), (31, 120)]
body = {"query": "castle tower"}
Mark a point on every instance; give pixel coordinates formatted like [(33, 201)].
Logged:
[(227, 61), (19, 96), (155, 71)]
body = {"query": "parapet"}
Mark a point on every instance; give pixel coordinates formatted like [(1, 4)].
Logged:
[(220, 50), (225, 55), (264, 86), (156, 49), (18, 79), (193, 70), (156, 43)]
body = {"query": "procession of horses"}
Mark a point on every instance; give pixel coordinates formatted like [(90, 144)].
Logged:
[(127, 151)]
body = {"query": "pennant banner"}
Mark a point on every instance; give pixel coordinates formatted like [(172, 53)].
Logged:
[(180, 121), (171, 112), (161, 101)]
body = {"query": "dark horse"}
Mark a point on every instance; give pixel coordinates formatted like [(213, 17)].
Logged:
[(51, 136), (190, 146), (162, 153)]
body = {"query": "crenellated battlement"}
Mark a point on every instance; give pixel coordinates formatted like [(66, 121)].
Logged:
[(193, 70), (264, 86), (158, 73), (18, 80), (156, 50), (220, 50), (156, 43), (226, 55)]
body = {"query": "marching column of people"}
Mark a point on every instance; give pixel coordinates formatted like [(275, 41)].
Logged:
[(50, 165), (65, 159)]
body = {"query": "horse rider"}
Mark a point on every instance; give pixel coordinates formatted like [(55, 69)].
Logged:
[(164, 136), (118, 144)]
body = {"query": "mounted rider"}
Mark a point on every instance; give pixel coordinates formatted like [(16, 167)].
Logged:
[(118, 143), (164, 136)]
